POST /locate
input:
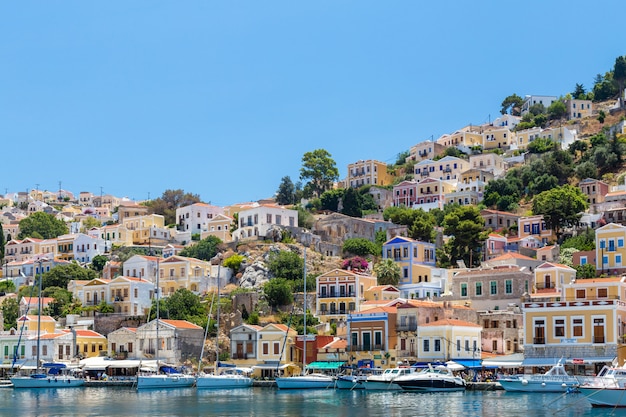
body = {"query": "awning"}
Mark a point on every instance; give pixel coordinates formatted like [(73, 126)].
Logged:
[(469, 363), (540, 361), (504, 361), (584, 361), (325, 365), (273, 366)]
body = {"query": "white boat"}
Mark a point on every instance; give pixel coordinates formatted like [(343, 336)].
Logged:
[(232, 377), (431, 379), (604, 397), (378, 382), (310, 381), (555, 380), (163, 376), (51, 375), (356, 380)]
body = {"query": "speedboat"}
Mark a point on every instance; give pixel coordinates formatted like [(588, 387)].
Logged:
[(607, 389), (431, 379), (386, 380), (356, 380), (555, 380), (309, 381)]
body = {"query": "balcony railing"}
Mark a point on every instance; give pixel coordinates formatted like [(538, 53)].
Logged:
[(406, 353), (326, 312), (539, 340), (411, 327)]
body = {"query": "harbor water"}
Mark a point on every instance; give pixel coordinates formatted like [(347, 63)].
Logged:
[(124, 401)]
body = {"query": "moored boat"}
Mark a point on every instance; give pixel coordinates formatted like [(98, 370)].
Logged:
[(556, 379), (431, 379), (309, 381), (51, 375), (604, 397), (167, 377)]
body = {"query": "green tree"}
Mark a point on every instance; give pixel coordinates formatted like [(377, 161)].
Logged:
[(583, 241), (234, 262), (585, 271), (512, 103), (387, 272), (420, 223), (42, 225), (537, 109), (561, 207), (360, 246), (351, 203), (320, 170), (105, 308), (7, 286), (286, 264), (604, 87), (619, 75), (89, 223), (167, 204), (61, 275), (566, 256), (330, 199), (204, 249), (541, 145), (542, 183), (465, 226), (586, 169), (98, 262), (557, 110), (278, 292), (579, 92), (305, 218), (253, 318), (185, 305), (61, 298), (286, 193), (10, 313)]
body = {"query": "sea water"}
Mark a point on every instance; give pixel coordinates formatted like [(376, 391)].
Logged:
[(273, 402)]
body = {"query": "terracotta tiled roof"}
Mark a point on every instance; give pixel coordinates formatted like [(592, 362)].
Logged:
[(451, 322), (181, 324)]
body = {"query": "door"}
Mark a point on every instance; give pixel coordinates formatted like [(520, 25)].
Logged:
[(240, 350), (367, 341)]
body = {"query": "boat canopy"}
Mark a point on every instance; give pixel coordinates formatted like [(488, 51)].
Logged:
[(324, 365)]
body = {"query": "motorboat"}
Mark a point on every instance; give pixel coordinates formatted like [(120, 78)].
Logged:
[(50, 375), (386, 380), (431, 379), (308, 381), (556, 379), (357, 380), (607, 389)]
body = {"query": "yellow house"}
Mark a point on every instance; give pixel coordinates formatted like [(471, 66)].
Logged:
[(276, 344), (340, 293), (148, 229), (90, 343), (523, 137), (219, 226), (610, 249), (381, 292), (368, 172), (550, 278), (181, 272), (534, 226), (464, 137), (48, 324), (587, 324), (497, 138)]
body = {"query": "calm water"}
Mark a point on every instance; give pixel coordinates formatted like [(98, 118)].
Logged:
[(272, 402)]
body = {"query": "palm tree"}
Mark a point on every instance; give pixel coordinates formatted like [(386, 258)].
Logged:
[(387, 272)]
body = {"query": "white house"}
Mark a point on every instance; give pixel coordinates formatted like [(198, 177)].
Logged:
[(257, 221), (87, 247), (194, 218)]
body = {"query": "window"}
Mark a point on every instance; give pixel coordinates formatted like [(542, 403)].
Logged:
[(620, 243), (580, 293), (458, 345), (559, 327), (508, 286), (479, 288), (618, 260), (577, 327), (493, 286), (603, 292), (130, 347), (467, 345), (426, 345), (276, 348), (437, 345), (463, 289), (266, 348)]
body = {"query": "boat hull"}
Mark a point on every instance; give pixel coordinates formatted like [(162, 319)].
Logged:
[(430, 385), (47, 382), (165, 381), (223, 382), (299, 382), (605, 397), (528, 385)]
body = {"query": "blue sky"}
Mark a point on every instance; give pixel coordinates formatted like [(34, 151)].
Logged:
[(224, 98)]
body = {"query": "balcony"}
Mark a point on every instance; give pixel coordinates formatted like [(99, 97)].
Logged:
[(447, 169), (424, 173), (406, 354), (366, 348), (335, 295), (411, 327), (539, 340)]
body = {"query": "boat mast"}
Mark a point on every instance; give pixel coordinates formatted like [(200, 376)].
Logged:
[(156, 353), (39, 305), (305, 332), (217, 325)]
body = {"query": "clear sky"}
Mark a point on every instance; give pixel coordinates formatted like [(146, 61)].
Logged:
[(223, 98)]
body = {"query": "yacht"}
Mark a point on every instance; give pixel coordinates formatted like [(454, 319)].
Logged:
[(431, 379), (555, 380)]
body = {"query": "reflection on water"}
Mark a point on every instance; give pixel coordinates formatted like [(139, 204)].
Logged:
[(272, 402)]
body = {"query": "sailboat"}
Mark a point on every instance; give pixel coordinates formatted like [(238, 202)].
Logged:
[(305, 381), (216, 379), (165, 376), (50, 375)]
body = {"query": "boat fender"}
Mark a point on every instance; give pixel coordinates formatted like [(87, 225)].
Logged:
[(564, 385), (543, 384), (524, 382)]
